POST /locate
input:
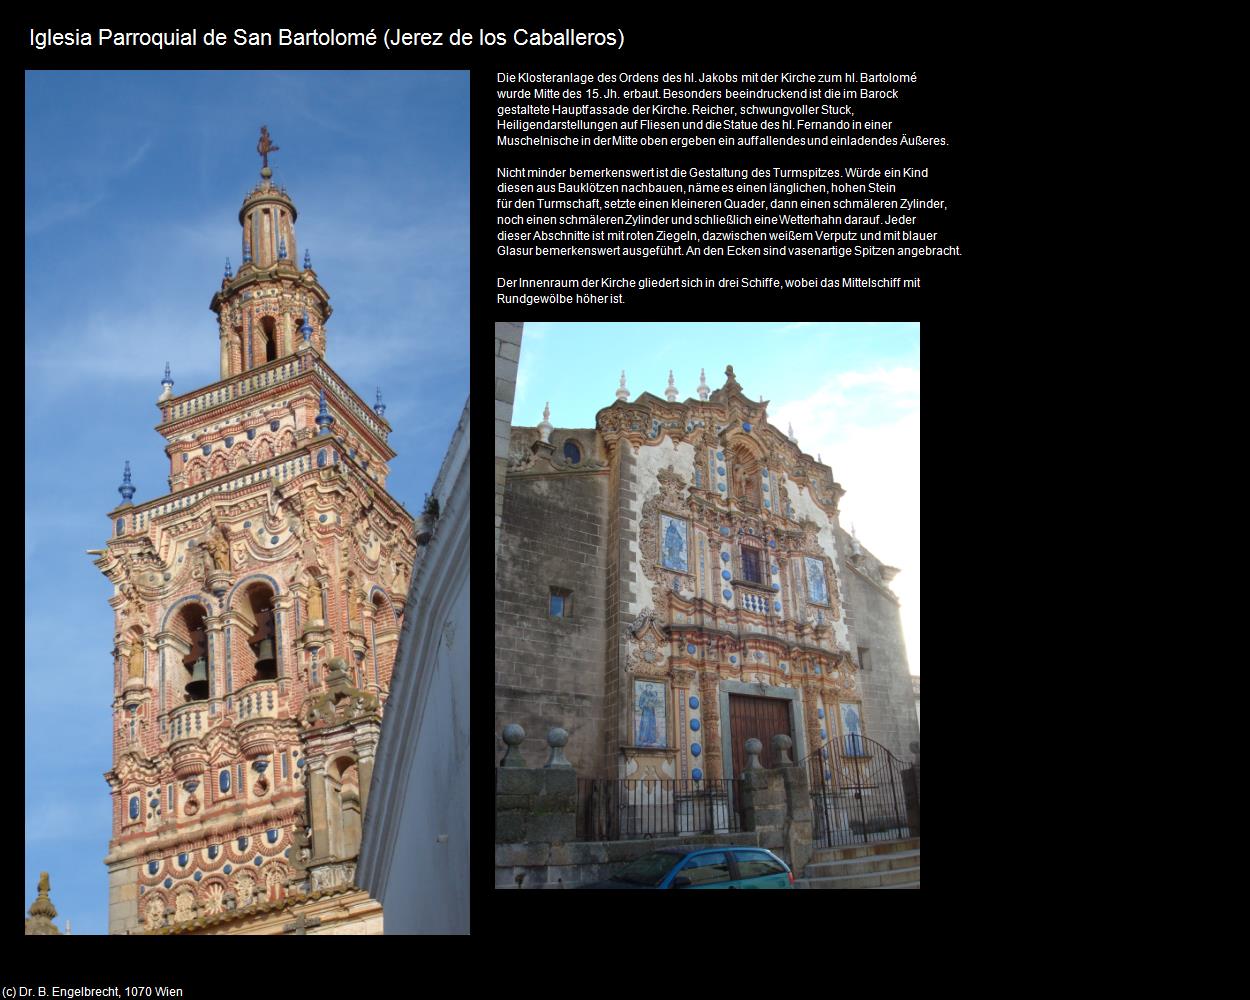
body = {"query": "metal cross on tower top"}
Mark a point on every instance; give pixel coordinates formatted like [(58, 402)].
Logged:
[(265, 146)]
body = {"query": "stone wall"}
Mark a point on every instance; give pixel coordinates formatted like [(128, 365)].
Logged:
[(886, 686), (549, 670), (507, 357)]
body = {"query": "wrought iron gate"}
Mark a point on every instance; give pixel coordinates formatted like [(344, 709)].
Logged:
[(861, 792)]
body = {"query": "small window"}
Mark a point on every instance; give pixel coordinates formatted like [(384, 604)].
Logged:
[(751, 565), (707, 868), (756, 864), (560, 604), (572, 453), (864, 659)]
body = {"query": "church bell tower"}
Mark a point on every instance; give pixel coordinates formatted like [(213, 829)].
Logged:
[(257, 604)]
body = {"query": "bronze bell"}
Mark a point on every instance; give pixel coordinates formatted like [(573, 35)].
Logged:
[(266, 665), (197, 686)]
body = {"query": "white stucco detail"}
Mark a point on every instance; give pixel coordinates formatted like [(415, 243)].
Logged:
[(648, 461), (805, 507)]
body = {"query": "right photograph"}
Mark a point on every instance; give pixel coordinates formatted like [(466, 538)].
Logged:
[(707, 605)]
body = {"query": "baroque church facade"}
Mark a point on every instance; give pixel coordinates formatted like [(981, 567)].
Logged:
[(675, 580), (258, 605)]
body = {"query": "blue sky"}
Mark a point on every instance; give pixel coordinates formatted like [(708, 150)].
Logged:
[(851, 390), (133, 186)]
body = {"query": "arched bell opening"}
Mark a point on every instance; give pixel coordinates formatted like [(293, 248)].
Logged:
[(191, 627), (267, 349), (255, 608)]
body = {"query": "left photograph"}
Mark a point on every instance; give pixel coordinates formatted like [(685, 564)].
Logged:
[(254, 621)]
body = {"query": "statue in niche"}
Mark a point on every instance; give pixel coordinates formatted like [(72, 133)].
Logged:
[(316, 605), (301, 839), (217, 547), (136, 659)]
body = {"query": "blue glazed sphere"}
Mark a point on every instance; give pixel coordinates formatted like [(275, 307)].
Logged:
[(694, 701), (168, 883), (724, 557), (733, 659), (228, 869), (776, 587), (747, 428), (820, 713), (725, 574), (197, 876), (694, 724), (721, 487), (697, 774), (823, 735), (724, 531), (776, 605), (696, 749), (727, 594), (152, 866), (691, 648)]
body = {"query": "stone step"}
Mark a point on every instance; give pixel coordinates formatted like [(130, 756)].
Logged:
[(824, 855), (868, 863), (870, 880)]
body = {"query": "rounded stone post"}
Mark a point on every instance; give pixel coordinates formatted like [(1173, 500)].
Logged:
[(557, 739), (754, 747), (781, 745), (513, 735)]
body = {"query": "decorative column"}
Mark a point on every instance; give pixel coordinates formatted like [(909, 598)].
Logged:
[(709, 701), (318, 818), (215, 632)]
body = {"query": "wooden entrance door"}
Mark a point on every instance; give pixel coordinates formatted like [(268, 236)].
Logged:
[(761, 718)]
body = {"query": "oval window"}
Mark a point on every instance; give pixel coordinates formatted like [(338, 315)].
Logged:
[(572, 453)]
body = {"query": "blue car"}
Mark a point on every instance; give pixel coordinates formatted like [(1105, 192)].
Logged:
[(725, 867)]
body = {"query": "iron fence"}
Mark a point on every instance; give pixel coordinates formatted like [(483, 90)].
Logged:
[(861, 792), (631, 809)]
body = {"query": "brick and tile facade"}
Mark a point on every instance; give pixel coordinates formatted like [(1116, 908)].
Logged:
[(258, 606)]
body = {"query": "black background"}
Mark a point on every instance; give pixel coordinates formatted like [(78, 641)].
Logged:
[(993, 490)]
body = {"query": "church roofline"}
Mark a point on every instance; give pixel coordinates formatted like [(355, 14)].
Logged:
[(255, 910)]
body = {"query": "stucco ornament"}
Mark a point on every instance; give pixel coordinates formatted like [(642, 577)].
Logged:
[(670, 499), (341, 702)]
